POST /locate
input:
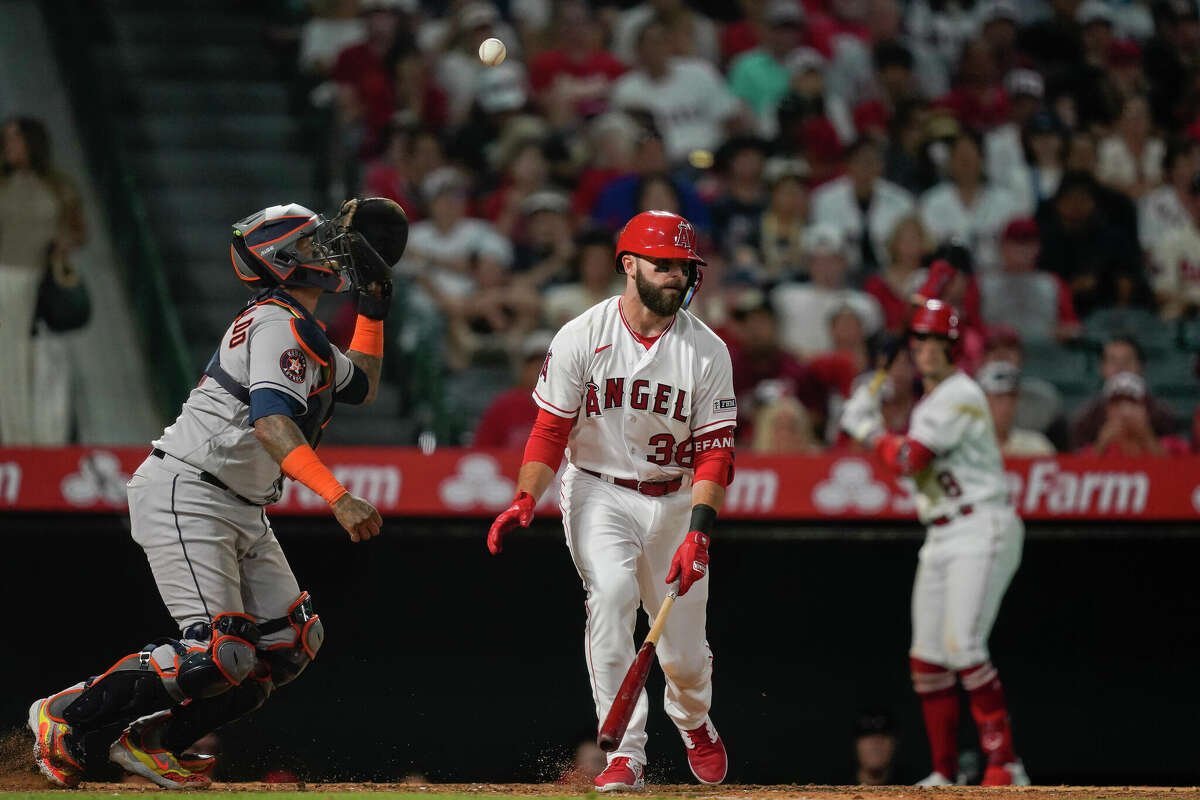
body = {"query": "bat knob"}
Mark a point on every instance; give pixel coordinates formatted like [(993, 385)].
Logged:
[(606, 742)]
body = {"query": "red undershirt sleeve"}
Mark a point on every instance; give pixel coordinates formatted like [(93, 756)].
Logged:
[(903, 455), (548, 439), (714, 457)]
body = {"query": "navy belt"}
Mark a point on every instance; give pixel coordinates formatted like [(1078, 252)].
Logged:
[(207, 477)]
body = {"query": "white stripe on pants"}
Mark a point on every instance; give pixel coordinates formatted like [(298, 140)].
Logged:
[(964, 569), (622, 543)]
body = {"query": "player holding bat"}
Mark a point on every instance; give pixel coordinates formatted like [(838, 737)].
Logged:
[(641, 392)]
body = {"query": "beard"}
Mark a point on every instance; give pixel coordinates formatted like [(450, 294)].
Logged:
[(658, 300)]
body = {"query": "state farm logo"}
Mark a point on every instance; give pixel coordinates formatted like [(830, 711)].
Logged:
[(477, 482), (378, 484), (851, 486), (10, 482), (1061, 491), (99, 479)]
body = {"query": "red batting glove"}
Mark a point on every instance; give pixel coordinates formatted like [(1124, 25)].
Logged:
[(941, 272), (690, 562), (519, 513)]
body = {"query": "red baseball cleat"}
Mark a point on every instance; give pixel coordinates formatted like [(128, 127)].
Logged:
[(1011, 774), (706, 753), (621, 775)]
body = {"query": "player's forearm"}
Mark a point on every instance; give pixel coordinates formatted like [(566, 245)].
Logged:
[(371, 366), (279, 434), (534, 478), (707, 493), (286, 444)]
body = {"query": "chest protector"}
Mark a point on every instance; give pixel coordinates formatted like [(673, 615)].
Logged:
[(313, 341)]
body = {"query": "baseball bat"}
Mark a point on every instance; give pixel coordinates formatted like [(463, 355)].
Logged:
[(613, 729)]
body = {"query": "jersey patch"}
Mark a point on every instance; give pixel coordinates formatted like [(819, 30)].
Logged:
[(293, 365), (724, 404)]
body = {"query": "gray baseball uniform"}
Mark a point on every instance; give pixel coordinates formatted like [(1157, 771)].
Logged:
[(212, 549)]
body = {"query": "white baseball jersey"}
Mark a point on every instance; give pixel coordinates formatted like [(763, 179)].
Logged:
[(954, 422), (637, 408), (213, 432)]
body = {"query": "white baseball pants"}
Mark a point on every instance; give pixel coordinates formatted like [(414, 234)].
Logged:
[(963, 570), (622, 542)]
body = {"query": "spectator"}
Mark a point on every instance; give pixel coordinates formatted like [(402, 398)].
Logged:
[(572, 79), (999, 22), (622, 198), (1039, 403), (686, 97), (1097, 99), (1117, 206), (595, 280), (763, 371), (807, 309), (891, 85), (521, 162), (1175, 260), (509, 419), (545, 248), (1000, 382), (739, 206), (783, 426), (415, 96), (1127, 429), (1168, 57), (781, 229), (1004, 147), (1036, 303), (967, 207), (760, 77), (875, 746), (364, 76), (903, 156), (1045, 151), (893, 287), (458, 70), (942, 25), (1122, 354), (334, 26), (1054, 43), (863, 206), (1165, 208), (1098, 260), (686, 32), (41, 218), (1130, 160), (392, 174), (746, 32), (497, 120), (812, 119), (616, 145)]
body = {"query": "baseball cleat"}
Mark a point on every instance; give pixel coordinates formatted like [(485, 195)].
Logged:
[(50, 749), (140, 750), (1010, 774), (621, 775), (935, 779), (706, 753)]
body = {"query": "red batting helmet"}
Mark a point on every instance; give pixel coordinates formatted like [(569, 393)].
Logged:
[(935, 318), (661, 234)]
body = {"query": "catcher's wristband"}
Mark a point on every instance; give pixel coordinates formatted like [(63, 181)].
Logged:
[(368, 336), (303, 466)]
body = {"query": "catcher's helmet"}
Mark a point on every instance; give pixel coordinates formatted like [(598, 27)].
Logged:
[(288, 246), (935, 318), (661, 234)]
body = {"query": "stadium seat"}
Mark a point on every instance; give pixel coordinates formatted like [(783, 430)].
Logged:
[(1070, 369), (1152, 333)]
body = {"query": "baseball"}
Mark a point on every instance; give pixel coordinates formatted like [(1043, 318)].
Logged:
[(492, 52)]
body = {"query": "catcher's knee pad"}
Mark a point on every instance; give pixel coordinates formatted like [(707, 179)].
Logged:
[(289, 658), (167, 672)]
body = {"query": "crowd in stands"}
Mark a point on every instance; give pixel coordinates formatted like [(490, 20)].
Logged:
[(1043, 155)]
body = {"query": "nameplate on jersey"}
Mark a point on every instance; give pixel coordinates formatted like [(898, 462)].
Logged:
[(639, 395)]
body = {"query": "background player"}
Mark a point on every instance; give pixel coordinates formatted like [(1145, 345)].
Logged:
[(196, 504), (972, 546), (642, 392)]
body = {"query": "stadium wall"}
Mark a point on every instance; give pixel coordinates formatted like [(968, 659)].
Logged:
[(445, 662)]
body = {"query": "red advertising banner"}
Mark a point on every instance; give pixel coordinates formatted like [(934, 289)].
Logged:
[(467, 483)]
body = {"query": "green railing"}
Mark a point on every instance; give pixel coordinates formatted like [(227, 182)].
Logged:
[(75, 26)]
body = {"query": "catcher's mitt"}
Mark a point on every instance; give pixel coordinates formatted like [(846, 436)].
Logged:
[(378, 232)]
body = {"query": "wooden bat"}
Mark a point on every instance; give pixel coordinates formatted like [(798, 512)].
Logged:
[(613, 729)]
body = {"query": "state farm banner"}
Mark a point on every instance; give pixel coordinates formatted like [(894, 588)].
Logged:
[(467, 483)]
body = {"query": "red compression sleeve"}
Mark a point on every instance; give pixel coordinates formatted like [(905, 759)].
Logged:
[(548, 439), (714, 457), (904, 455)]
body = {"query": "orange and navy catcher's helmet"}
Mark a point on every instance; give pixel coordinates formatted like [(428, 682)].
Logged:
[(661, 235), (288, 245)]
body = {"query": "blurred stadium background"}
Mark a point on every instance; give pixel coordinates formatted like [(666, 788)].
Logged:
[(826, 150)]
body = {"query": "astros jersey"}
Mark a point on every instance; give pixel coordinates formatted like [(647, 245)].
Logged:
[(636, 409), (213, 431), (954, 422)]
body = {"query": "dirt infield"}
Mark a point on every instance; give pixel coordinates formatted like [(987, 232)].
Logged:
[(729, 792)]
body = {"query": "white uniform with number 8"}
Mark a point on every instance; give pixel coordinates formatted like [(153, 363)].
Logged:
[(636, 411), (974, 540)]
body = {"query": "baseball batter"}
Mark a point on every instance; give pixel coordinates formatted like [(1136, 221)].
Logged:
[(197, 503), (640, 394), (971, 551)]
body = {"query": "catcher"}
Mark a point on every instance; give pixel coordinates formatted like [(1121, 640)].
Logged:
[(197, 503)]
